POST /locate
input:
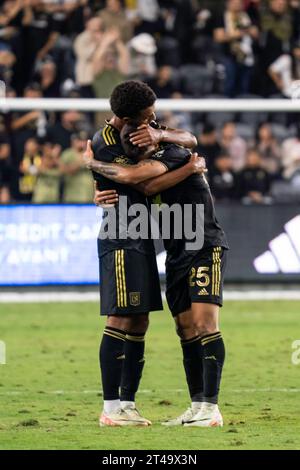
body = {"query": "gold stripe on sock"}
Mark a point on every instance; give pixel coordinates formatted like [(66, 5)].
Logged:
[(210, 339), (138, 339), (117, 333), (113, 336), (189, 341)]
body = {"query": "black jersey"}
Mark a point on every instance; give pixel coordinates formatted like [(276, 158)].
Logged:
[(194, 190), (107, 148)]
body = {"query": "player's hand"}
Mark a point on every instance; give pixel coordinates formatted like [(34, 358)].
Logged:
[(145, 136), (106, 199), (198, 164), (88, 155)]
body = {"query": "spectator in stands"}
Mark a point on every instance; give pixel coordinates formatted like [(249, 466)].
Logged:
[(61, 132), (7, 60), (113, 17), (11, 17), (5, 170), (208, 145), (142, 57), (253, 182), (26, 124), (110, 63), (278, 30), (163, 85), (222, 178), (234, 145), (47, 188), (85, 47), (285, 70), (146, 17), (42, 33), (46, 76), (291, 155), (269, 149), (78, 181), (235, 31), (29, 168)]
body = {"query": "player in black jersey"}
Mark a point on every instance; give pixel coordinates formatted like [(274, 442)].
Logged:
[(128, 273), (194, 284)]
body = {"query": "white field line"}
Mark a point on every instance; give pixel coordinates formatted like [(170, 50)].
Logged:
[(143, 391), (73, 296)]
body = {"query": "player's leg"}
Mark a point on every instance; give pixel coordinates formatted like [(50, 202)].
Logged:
[(143, 295), (206, 293), (133, 363), (122, 362), (177, 294), (125, 296)]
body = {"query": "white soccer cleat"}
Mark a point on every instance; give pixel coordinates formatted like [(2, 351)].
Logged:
[(135, 416), (209, 416), (184, 418), (118, 418)]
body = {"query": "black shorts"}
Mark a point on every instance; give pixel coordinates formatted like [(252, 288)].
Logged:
[(129, 283), (202, 281)]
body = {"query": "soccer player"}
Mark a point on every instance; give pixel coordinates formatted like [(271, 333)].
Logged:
[(130, 286), (194, 280)]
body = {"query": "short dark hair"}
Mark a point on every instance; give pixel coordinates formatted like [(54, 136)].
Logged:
[(130, 98), (131, 151)]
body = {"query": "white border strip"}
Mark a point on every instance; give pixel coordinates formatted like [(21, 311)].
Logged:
[(190, 104), (74, 296)]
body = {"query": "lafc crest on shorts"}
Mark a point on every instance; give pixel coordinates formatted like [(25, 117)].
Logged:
[(134, 298)]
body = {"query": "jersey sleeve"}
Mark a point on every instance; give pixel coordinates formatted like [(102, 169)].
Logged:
[(172, 156)]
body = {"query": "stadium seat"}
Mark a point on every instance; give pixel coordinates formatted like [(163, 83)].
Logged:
[(252, 118), (280, 132), (196, 80), (245, 131), (168, 52)]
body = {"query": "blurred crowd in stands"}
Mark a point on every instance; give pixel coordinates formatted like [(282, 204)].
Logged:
[(183, 49)]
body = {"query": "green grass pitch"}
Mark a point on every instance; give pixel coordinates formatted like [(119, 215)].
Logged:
[(48, 388)]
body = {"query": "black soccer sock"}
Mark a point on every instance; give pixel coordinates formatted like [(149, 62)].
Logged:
[(192, 362), (133, 365), (213, 360), (111, 357)]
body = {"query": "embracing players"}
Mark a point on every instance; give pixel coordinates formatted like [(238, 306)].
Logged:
[(130, 286), (194, 279)]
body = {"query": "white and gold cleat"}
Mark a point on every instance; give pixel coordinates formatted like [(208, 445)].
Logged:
[(183, 418), (208, 416), (117, 418), (136, 416)]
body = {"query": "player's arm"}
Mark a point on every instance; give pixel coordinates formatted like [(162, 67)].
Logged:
[(147, 135), (156, 185), (172, 178), (131, 174)]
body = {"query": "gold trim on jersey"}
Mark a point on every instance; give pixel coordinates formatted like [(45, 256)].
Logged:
[(108, 135), (111, 133), (105, 136)]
